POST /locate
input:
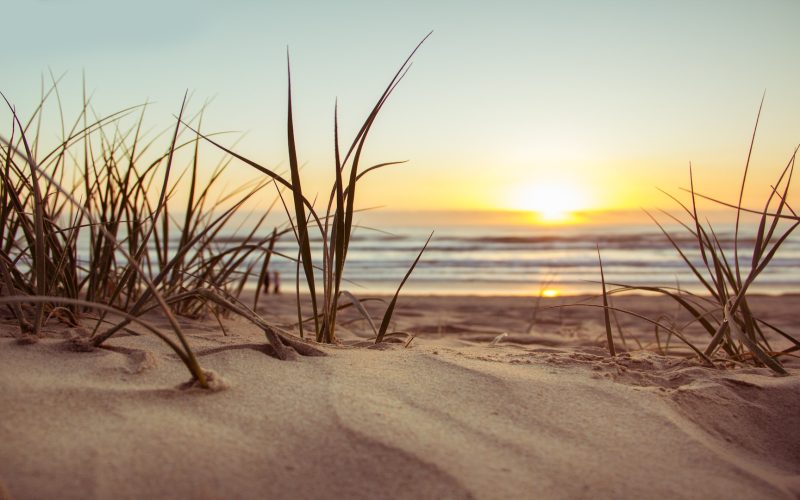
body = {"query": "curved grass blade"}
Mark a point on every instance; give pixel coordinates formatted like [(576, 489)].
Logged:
[(606, 318), (387, 316), (360, 307)]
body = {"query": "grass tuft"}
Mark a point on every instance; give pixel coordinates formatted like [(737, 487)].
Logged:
[(334, 226), (100, 243), (725, 313)]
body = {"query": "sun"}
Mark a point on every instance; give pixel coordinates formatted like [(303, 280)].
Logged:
[(552, 202)]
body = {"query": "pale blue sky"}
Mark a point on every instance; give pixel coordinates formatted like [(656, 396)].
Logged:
[(616, 96)]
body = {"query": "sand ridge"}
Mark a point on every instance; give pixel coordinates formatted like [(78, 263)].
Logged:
[(448, 416)]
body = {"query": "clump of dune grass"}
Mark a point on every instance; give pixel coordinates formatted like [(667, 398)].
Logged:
[(334, 225), (52, 274), (735, 332), (95, 188)]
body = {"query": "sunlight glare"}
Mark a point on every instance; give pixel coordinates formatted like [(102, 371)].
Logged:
[(552, 202)]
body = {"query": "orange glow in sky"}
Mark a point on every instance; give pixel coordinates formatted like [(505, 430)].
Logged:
[(552, 202), (558, 110)]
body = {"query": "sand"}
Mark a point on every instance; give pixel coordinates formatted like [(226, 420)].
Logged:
[(544, 413)]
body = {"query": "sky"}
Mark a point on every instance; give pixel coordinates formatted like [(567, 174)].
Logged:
[(573, 105)]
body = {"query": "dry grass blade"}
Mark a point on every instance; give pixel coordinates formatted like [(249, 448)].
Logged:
[(752, 346), (666, 328), (606, 318), (360, 308), (713, 290), (282, 342), (387, 316), (694, 310), (301, 222)]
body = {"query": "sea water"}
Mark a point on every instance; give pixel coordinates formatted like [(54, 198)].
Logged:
[(520, 260)]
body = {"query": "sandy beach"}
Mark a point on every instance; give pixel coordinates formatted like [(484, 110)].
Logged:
[(317, 250), (544, 412)]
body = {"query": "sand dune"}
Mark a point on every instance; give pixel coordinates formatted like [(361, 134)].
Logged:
[(448, 416)]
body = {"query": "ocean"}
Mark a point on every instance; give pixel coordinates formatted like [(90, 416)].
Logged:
[(520, 260)]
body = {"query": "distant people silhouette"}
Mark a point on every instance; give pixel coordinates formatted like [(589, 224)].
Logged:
[(277, 280), (266, 282)]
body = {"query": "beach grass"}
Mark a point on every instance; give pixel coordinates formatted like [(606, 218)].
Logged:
[(105, 184), (723, 310), (145, 250), (335, 224), (132, 264)]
